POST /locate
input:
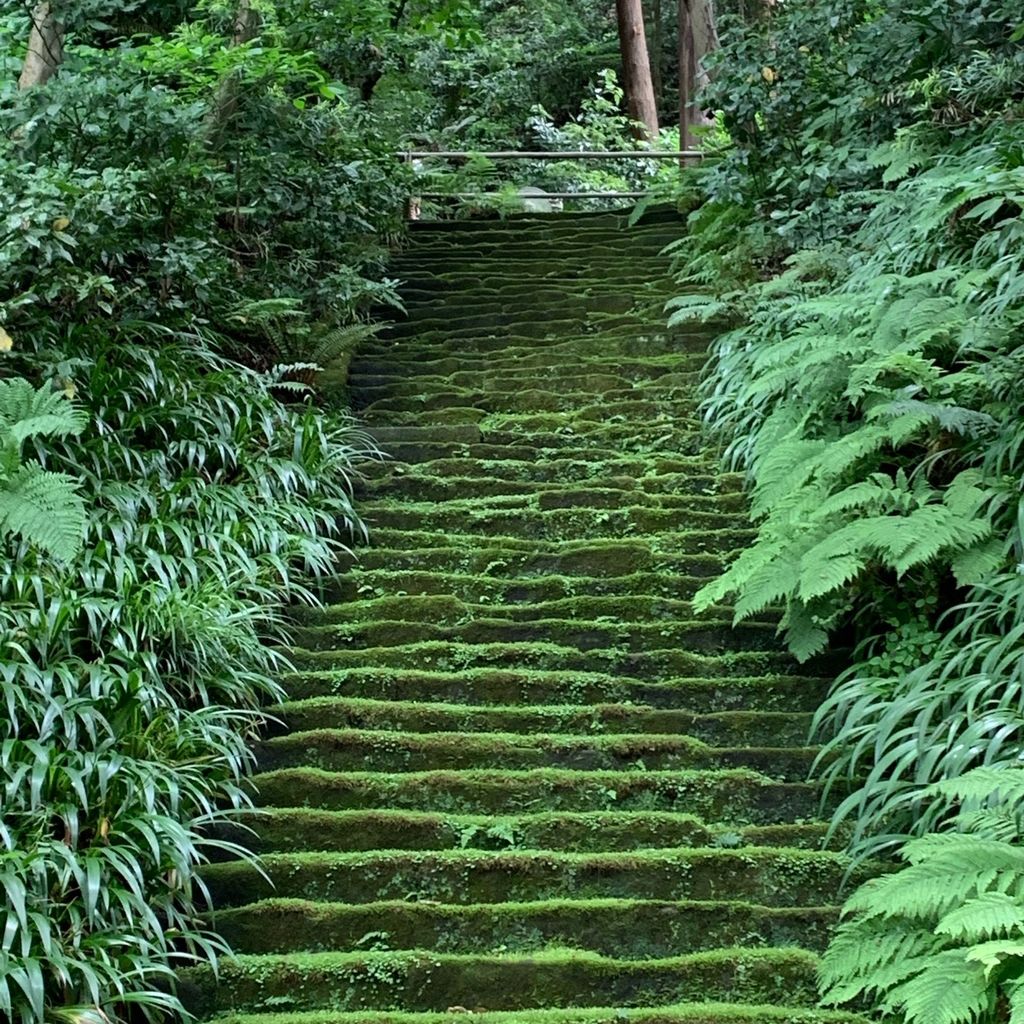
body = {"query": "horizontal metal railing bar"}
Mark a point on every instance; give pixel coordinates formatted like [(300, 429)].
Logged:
[(572, 154), (532, 195)]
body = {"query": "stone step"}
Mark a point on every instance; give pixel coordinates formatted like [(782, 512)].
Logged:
[(342, 750), (446, 609), (601, 721), (691, 1013), (305, 829), (485, 491), (596, 379), (475, 347), (435, 982), (558, 360), (528, 422), (650, 664), (633, 929), (657, 474), (485, 687), (682, 528), (770, 876), (606, 557), (499, 325), (581, 635), (362, 581), (738, 796), (584, 389)]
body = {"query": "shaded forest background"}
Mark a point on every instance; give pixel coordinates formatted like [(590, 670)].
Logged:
[(198, 207)]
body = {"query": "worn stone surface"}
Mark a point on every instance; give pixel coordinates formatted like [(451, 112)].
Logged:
[(517, 778)]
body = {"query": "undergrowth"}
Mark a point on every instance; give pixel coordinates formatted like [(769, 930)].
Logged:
[(862, 246), (133, 675)]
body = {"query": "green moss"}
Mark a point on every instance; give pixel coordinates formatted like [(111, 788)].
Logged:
[(737, 795), (297, 829), (515, 772), (448, 656), (633, 929), (483, 686), (691, 1013), (341, 750), (595, 720), (434, 981)]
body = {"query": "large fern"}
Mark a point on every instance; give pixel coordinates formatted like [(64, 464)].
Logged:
[(41, 507), (861, 394), (941, 941)]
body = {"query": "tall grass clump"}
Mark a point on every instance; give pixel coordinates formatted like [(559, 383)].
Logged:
[(132, 676)]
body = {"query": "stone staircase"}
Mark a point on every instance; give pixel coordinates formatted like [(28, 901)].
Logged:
[(518, 779)]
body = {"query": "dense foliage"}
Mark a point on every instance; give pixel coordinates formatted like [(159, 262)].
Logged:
[(863, 242), (198, 207)]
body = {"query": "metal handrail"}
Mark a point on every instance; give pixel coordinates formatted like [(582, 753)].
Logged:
[(544, 195), (517, 154)]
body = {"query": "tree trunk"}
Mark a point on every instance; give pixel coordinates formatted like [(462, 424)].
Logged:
[(637, 68), (45, 47), (698, 36), (247, 23), (244, 30), (657, 49)]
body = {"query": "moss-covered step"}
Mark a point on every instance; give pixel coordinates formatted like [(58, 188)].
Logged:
[(567, 472), (695, 529), (446, 656), (368, 372), (769, 876), (484, 687), (688, 1013), (586, 385), (537, 428), (448, 609), (362, 582), (643, 404), (340, 750), (700, 635), (305, 829), (507, 556), (628, 928), (553, 978), (733, 795), (476, 351), (722, 729)]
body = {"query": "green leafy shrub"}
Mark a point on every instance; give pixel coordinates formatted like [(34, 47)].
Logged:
[(941, 941), (134, 678), (862, 407)]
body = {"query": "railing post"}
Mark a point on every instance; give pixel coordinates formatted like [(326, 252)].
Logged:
[(413, 205)]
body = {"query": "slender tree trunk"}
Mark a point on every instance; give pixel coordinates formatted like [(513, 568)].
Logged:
[(247, 24), (657, 49), (637, 67), (45, 46), (244, 30), (698, 36)]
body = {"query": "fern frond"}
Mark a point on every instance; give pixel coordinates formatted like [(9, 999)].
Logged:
[(27, 412), (948, 991), (990, 915), (45, 509)]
